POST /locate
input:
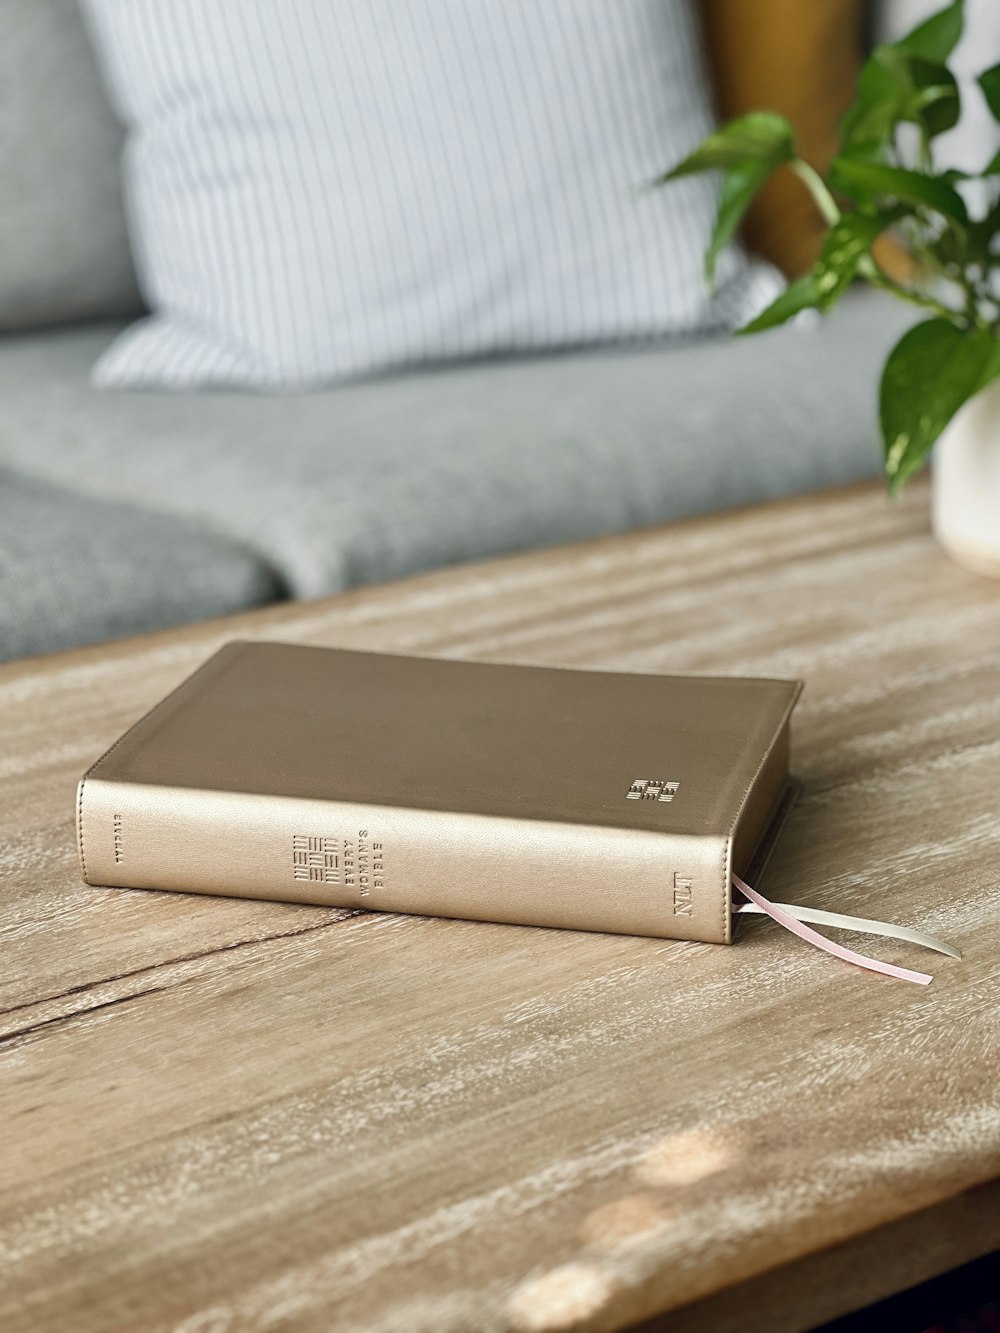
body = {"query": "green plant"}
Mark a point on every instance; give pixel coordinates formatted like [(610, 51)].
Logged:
[(881, 181)]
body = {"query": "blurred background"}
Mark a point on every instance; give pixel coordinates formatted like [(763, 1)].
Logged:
[(300, 296)]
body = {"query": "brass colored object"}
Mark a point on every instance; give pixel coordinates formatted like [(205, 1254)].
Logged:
[(543, 796)]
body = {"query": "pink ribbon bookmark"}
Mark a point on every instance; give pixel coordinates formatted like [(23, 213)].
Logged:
[(805, 932)]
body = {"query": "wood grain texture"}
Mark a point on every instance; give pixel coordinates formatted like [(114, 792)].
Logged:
[(222, 1115)]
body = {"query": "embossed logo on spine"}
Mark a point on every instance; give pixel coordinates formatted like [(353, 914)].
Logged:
[(356, 861), (316, 859), (651, 789), (683, 894), (119, 839)]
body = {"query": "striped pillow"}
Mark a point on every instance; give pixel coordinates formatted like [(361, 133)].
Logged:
[(321, 189)]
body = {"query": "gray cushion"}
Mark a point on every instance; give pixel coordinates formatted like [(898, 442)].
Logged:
[(379, 479), (64, 253), (75, 570)]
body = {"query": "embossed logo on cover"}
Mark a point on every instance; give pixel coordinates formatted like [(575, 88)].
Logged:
[(651, 789)]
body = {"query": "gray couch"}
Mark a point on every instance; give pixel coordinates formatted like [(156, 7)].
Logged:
[(126, 512)]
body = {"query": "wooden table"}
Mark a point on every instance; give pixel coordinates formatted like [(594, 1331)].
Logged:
[(228, 1116)]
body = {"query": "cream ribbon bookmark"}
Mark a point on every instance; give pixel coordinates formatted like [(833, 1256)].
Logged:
[(793, 919)]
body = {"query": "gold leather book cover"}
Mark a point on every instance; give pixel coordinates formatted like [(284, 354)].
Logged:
[(547, 796)]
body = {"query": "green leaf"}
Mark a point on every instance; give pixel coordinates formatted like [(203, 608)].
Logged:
[(936, 37), (993, 169), (747, 150), (868, 181), (849, 240), (868, 125), (930, 373), (935, 103), (990, 84), (739, 186), (797, 296), (760, 137), (952, 249), (895, 87), (980, 236)]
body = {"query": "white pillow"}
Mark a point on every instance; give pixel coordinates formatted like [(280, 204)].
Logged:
[(320, 189)]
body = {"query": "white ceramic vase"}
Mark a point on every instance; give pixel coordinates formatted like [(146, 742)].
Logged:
[(966, 484)]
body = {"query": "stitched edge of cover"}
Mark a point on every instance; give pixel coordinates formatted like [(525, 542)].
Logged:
[(726, 925), (79, 825)]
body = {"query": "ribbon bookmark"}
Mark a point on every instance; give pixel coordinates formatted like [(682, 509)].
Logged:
[(793, 919)]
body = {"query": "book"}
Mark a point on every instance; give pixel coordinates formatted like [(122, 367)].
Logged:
[(546, 796)]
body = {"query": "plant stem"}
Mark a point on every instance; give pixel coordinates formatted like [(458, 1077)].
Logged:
[(870, 271), (816, 186), (914, 236), (926, 158)]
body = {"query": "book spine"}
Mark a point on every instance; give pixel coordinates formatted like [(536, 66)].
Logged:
[(388, 858)]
